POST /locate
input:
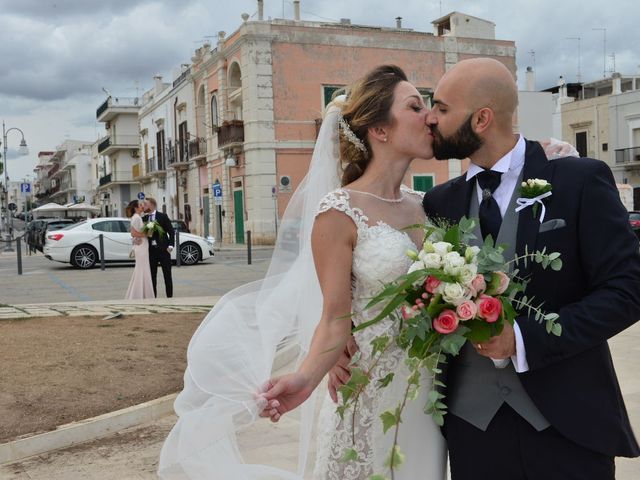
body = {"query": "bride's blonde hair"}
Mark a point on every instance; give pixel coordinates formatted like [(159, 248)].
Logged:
[(368, 104)]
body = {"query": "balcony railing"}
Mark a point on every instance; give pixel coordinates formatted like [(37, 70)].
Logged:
[(197, 147), (118, 141), (53, 170), (117, 102), (181, 78), (230, 132), (117, 176), (627, 155)]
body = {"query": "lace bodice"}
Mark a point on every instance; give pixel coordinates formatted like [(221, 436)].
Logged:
[(378, 257)]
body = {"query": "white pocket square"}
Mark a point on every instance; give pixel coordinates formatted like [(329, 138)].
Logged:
[(553, 224)]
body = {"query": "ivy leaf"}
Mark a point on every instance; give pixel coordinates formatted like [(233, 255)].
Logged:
[(379, 344), (383, 382), (388, 420), (349, 455), (396, 458)]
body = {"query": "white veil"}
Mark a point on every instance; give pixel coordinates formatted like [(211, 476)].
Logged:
[(232, 353)]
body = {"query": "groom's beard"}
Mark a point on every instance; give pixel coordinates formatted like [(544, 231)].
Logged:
[(462, 144)]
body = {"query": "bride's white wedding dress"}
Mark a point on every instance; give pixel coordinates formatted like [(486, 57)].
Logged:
[(234, 350), (378, 257)]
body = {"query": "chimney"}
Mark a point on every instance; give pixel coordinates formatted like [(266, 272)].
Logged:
[(260, 10), (530, 80), (157, 78), (563, 89), (296, 10), (398, 22), (617, 83)]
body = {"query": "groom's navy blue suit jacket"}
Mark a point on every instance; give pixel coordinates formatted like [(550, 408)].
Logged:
[(597, 295)]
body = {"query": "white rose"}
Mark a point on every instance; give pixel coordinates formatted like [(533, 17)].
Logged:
[(452, 262), (453, 293), (442, 248), (431, 260), (467, 273), (540, 183), (416, 266)]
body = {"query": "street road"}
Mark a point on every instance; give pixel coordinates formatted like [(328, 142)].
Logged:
[(44, 281)]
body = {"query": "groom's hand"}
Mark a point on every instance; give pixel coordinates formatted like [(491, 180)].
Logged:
[(341, 371), (501, 346)]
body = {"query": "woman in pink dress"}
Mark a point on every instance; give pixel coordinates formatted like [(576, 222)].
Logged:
[(140, 285)]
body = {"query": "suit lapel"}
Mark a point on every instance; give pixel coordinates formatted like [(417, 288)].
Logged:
[(460, 195), (535, 162)]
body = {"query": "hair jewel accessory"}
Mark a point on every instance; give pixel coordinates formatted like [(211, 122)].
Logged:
[(346, 129)]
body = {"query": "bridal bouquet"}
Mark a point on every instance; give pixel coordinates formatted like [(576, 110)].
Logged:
[(452, 293), (152, 227)]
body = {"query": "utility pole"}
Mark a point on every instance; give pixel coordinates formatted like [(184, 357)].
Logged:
[(579, 39)]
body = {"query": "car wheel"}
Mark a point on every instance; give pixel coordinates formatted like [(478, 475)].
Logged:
[(189, 254), (84, 256)]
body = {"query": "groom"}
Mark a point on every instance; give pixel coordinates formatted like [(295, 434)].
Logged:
[(555, 411), (160, 246)]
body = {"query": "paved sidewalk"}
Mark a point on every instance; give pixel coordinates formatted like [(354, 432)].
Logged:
[(132, 454), (128, 307)]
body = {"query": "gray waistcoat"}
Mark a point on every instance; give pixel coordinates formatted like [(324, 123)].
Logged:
[(476, 387)]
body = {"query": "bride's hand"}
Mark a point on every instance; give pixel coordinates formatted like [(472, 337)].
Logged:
[(283, 394), (341, 371)]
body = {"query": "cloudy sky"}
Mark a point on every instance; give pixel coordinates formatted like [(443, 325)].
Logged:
[(57, 55)]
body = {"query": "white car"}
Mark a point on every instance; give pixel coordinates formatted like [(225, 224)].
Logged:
[(79, 244)]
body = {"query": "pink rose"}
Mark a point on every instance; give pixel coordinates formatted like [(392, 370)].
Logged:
[(431, 284), (446, 322), (478, 285), (502, 285), (489, 308), (466, 310)]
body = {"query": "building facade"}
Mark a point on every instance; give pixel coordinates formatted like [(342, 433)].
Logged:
[(624, 114), (261, 91), (69, 176), (118, 152)]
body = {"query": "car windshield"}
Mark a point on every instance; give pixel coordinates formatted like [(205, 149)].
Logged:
[(634, 216)]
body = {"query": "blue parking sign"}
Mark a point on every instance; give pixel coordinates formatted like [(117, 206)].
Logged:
[(25, 188), (217, 193)]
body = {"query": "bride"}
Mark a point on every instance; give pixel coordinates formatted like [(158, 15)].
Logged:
[(351, 240)]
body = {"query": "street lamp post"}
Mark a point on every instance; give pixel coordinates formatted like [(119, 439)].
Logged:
[(22, 150)]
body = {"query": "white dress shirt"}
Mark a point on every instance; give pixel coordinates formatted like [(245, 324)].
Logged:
[(510, 166)]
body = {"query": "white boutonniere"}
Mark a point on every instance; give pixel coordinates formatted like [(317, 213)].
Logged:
[(532, 192)]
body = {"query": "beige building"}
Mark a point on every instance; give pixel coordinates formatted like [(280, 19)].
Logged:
[(586, 118), (624, 112)]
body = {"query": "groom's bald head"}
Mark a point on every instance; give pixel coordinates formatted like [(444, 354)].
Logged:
[(482, 82)]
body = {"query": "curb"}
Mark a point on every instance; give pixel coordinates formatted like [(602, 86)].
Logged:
[(86, 430), (93, 428)]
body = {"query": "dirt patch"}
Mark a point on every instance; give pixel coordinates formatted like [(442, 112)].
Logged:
[(62, 369)]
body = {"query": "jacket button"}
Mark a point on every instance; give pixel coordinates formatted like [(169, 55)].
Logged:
[(505, 391)]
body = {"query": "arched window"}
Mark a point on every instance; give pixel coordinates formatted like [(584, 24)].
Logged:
[(214, 113)]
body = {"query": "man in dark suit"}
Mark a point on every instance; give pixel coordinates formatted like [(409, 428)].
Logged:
[(555, 411), (160, 246)]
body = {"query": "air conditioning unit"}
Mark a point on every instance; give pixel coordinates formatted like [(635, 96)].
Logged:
[(285, 183), (135, 153)]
